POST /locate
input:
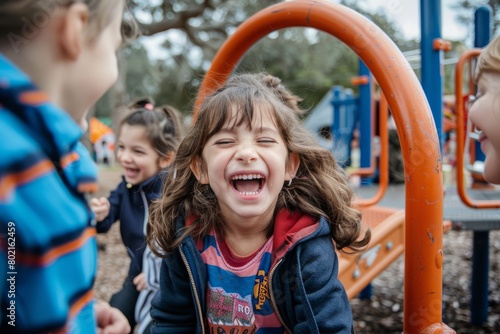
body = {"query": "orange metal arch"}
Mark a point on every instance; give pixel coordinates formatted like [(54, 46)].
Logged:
[(418, 136), (467, 56)]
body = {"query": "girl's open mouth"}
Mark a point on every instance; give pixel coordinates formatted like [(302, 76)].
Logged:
[(131, 172), (248, 184)]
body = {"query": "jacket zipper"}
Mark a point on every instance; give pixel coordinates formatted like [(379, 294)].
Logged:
[(271, 295), (146, 210), (191, 279)]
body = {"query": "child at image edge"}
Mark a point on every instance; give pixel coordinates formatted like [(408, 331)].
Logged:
[(485, 110), (57, 58), (247, 219), (147, 141)]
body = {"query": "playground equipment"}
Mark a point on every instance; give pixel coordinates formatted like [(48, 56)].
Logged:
[(343, 123), (480, 216), (466, 57), (431, 47), (421, 149), (333, 120), (387, 225), (102, 138), (358, 109), (483, 31), (347, 113)]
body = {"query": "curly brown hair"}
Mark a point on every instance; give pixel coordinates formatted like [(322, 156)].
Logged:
[(319, 189)]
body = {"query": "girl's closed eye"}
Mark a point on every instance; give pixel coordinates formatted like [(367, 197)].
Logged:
[(266, 140), (139, 152), (221, 142)]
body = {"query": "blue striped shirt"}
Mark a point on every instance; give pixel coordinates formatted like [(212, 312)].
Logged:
[(48, 254)]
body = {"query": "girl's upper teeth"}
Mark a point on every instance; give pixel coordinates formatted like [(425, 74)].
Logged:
[(247, 177)]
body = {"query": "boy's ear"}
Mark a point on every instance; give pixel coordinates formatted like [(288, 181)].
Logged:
[(72, 30), (198, 170), (167, 161), (292, 166)]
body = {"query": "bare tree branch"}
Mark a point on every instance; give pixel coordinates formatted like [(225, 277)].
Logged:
[(179, 22)]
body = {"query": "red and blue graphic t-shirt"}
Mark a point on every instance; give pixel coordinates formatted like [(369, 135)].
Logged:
[(238, 290)]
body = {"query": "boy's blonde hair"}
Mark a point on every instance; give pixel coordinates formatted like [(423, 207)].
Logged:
[(489, 59), (20, 20), (320, 188)]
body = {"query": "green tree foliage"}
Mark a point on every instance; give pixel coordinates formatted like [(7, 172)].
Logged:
[(311, 62), (200, 27), (466, 10), (308, 61)]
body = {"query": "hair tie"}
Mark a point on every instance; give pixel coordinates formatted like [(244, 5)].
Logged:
[(149, 106)]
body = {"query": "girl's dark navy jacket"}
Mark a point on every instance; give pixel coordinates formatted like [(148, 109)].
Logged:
[(304, 285), (131, 207)]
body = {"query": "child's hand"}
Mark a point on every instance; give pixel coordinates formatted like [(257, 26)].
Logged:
[(110, 320), (100, 207), (140, 282)]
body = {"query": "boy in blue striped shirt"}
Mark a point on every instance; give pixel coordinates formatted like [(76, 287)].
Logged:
[(57, 57)]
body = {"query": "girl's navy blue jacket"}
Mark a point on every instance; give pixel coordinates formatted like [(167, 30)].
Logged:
[(304, 287), (131, 207)]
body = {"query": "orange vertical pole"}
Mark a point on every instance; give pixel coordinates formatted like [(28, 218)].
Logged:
[(418, 136)]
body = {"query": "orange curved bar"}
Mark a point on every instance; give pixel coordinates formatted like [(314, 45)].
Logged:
[(413, 118), (467, 56), (364, 171), (384, 157)]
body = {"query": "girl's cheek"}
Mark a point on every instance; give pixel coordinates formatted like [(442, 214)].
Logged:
[(495, 107)]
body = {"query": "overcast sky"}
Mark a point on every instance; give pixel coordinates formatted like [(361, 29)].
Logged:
[(406, 14)]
